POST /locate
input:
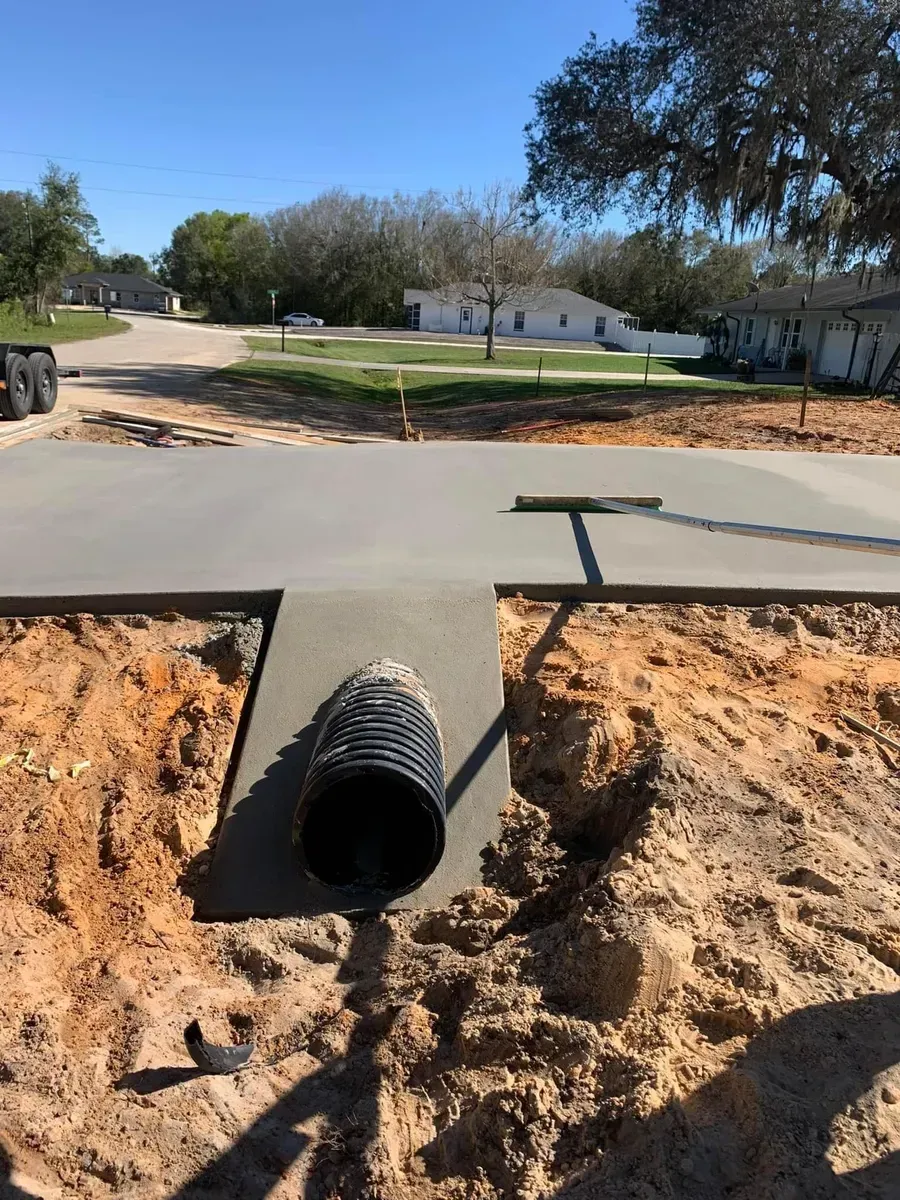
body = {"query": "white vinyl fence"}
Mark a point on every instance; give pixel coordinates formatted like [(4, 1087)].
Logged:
[(636, 341)]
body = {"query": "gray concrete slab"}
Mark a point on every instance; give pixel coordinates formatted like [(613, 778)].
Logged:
[(395, 549), (449, 635), (81, 519)]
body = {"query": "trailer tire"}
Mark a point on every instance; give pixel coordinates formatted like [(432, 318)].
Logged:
[(17, 398), (46, 382)]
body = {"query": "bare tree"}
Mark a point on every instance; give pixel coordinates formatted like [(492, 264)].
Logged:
[(490, 252)]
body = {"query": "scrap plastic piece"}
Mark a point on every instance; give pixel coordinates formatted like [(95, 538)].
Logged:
[(215, 1060), (53, 775), (76, 770)]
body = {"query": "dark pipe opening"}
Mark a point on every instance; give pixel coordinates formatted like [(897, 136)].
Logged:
[(372, 813), (370, 833)]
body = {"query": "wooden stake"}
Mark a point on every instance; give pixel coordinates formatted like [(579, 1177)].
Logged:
[(647, 364), (807, 373), (406, 436)]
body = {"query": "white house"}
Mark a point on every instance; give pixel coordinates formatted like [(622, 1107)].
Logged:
[(551, 313), (850, 323), (556, 313)]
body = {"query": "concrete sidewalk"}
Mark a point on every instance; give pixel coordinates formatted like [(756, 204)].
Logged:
[(486, 372), (463, 340)]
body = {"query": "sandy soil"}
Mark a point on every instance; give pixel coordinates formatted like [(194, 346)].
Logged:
[(679, 980), (754, 421), (108, 435), (843, 426)]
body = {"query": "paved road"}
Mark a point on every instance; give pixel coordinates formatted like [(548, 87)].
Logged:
[(513, 372), (155, 358)]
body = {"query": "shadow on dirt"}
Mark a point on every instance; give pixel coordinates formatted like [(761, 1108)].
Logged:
[(764, 1127), (8, 1190), (345, 1091)]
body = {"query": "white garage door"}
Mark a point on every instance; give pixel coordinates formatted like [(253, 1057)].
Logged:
[(835, 356)]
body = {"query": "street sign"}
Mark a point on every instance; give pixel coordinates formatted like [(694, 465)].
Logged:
[(273, 292)]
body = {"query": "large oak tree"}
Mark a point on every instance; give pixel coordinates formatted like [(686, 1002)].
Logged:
[(778, 115)]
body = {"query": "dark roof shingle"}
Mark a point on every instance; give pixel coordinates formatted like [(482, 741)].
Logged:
[(869, 289), (118, 283)]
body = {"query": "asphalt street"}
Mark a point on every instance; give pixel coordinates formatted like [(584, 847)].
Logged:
[(156, 356)]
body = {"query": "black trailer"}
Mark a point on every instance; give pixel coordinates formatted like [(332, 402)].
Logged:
[(28, 380)]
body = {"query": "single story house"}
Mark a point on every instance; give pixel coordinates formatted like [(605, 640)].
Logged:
[(850, 323), (549, 313), (119, 291)]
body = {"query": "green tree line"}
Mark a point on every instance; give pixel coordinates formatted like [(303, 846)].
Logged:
[(347, 259), (44, 235)]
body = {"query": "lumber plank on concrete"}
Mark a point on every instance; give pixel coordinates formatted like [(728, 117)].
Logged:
[(144, 419), (35, 426), (149, 430)]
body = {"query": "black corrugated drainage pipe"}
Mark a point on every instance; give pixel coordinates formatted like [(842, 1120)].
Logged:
[(372, 813)]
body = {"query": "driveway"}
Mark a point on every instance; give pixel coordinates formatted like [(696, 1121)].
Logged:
[(155, 358)]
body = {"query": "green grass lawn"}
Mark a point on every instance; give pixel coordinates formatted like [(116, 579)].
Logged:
[(355, 385), (360, 350), (69, 327)]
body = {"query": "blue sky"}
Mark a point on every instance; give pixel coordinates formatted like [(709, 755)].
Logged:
[(387, 96)]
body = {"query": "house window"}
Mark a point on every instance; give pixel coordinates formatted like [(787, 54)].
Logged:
[(519, 321), (413, 316), (563, 320), (137, 297), (748, 332), (831, 324), (879, 326), (600, 327)]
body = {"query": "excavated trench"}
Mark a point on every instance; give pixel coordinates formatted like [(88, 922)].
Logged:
[(679, 977)]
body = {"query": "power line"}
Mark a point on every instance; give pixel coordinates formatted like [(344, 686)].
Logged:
[(103, 162), (166, 195)]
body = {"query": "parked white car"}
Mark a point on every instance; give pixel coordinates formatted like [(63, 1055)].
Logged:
[(301, 319)]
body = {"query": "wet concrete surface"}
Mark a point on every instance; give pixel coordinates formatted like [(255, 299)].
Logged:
[(81, 519)]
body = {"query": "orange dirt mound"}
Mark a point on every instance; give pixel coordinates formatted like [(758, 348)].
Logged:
[(678, 980)]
